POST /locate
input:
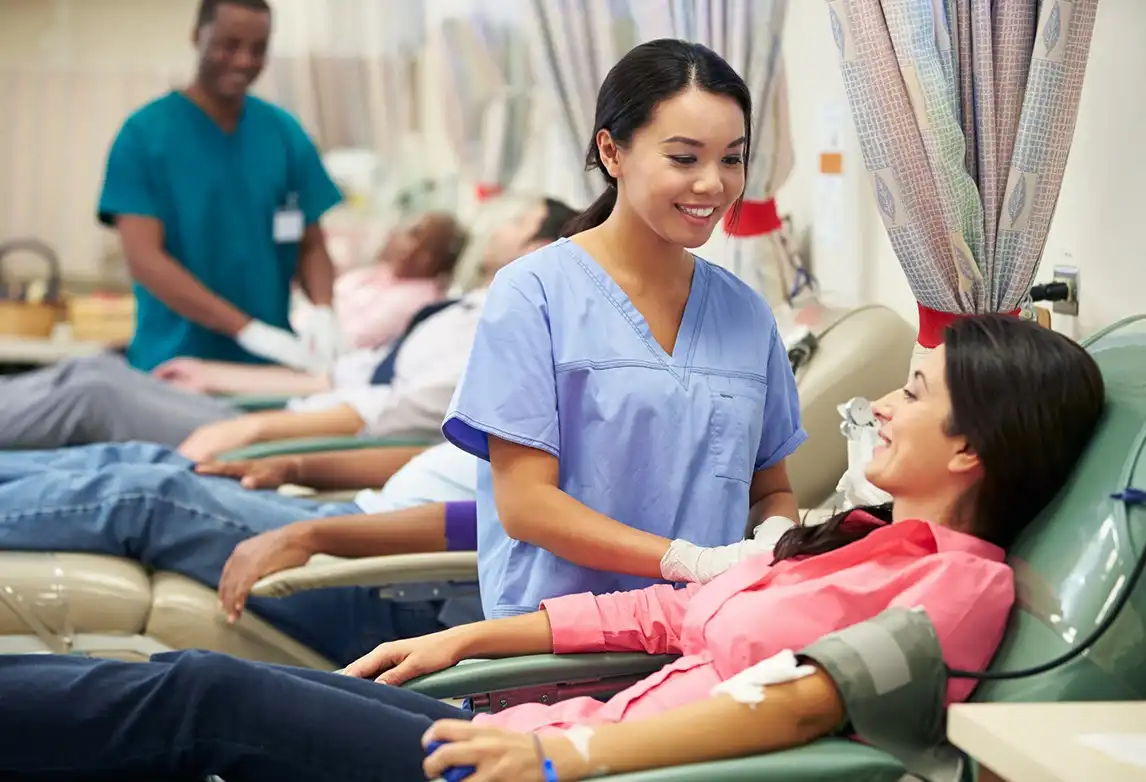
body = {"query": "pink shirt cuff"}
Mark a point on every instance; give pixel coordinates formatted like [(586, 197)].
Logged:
[(575, 624)]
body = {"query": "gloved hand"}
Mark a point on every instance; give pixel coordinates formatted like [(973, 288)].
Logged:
[(322, 338), (276, 345), (685, 561)]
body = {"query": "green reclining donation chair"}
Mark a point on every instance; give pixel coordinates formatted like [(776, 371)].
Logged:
[(1071, 566), (256, 403), (305, 445)]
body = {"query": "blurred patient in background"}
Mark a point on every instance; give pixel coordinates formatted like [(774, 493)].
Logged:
[(374, 303), (401, 388)]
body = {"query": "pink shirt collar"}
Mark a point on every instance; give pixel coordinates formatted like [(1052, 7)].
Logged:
[(941, 538)]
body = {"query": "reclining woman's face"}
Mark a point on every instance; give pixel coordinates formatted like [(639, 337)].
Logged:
[(414, 250), (916, 455), (514, 238)]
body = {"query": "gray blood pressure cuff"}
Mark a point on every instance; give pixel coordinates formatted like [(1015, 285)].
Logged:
[(890, 674)]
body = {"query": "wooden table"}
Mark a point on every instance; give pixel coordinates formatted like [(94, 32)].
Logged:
[(1054, 742)]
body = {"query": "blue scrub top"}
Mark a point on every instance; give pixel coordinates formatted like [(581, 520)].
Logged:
[(565, 363), (216, 194)]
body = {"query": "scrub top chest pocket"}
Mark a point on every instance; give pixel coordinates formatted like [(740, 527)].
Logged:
[(736, 423)]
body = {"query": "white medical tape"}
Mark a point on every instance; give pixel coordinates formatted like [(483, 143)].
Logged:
[(580, 736), (748, 686)]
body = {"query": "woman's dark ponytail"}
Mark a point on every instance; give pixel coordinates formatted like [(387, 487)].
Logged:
[(597, 213), (811, 539)]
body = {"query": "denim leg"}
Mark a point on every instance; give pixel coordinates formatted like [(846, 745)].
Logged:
[(191, 714), (168, 518), (18, 464)]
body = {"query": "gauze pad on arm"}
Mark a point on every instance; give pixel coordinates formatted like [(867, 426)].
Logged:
[(748, 686)]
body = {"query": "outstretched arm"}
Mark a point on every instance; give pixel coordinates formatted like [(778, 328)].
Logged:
[(641, 620), (330, 471), (223, 377), (791, 714)]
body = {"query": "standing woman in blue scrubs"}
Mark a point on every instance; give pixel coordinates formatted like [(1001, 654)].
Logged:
[(217, 196), (623, 392)]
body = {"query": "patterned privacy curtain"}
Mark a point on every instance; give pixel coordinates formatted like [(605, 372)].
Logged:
[(965, 111), (575, 43), (349, 70), (747, 35), (487, 96)]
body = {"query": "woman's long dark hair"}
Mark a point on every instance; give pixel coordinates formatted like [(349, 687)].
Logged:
[(1027, 400), (649, 74)]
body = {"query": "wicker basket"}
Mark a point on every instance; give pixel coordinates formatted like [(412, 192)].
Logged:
[(24, 319), (30, 319), (105, 318)]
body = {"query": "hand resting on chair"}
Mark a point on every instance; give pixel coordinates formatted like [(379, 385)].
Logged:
[(269, 473), (414, 530)]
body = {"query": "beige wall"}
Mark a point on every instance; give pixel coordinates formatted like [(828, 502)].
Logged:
[(1098, 225), (69, 73)]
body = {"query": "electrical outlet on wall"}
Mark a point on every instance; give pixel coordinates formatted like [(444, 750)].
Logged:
[(1067, 274)]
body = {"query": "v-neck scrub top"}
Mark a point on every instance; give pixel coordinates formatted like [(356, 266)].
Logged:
[(216, 194), (667, 443)]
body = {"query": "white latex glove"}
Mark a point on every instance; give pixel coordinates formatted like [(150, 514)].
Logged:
[(322, 338), (685, 561), (275, 344)]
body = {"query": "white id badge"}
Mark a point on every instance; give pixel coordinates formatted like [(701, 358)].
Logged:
[(289, 223), (288, 226)]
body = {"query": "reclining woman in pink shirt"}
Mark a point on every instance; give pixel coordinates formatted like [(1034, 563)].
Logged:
[(977, 443)]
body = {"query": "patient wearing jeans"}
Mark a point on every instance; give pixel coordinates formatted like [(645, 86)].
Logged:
[(981, 438), (145, 502)]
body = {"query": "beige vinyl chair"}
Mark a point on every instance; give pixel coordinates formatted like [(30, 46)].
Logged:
[(112, 607)]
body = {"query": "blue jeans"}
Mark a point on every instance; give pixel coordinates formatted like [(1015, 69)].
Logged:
[(144, 502), (187, 715)]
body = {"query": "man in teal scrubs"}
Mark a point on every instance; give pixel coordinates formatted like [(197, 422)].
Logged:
[(217, 196)]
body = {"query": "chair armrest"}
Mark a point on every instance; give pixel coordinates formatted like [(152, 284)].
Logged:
[(254, 403), (826, 760), (494, 685), (301, 445), (394, 570)]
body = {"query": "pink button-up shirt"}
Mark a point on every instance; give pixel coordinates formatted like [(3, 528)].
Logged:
[(373, 306), (756, 610)]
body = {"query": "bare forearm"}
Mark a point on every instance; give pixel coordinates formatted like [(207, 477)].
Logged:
[(781, 503), (316, 272), (549, 518), (180, 290), (718, 728), (510, 637), (368, 468), (227, 378), (412, 531), (283, 425)]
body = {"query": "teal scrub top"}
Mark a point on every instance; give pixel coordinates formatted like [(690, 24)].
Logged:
[(216, 194)]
